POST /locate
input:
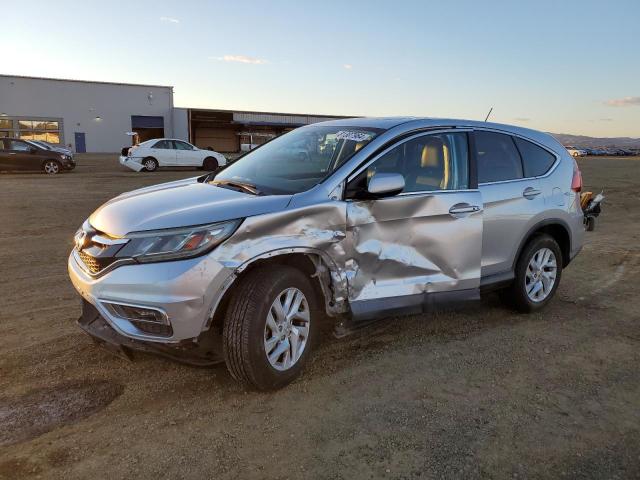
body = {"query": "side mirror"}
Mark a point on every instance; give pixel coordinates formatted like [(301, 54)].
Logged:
[(33, 149), (385, 184)]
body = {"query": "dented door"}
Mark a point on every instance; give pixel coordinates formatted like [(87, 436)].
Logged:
[(405, 248)]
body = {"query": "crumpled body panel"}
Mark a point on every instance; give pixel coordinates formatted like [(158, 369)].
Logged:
[(316, 229), (395, 247), (411, 245)]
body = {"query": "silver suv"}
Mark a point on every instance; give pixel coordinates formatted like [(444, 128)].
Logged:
[(348, 220)]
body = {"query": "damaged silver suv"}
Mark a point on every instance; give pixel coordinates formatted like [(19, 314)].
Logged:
[(348, 220)]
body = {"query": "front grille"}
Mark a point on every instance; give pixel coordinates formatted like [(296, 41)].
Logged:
[(91, 263)]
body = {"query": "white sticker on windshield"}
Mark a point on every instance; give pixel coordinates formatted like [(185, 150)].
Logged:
[(353, 135)]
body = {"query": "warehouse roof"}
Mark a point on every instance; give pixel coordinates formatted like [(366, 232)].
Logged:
[(84, 81)]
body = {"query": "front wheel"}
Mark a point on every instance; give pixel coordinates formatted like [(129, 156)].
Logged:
[(269, 327), (538, 273), (51, 167)]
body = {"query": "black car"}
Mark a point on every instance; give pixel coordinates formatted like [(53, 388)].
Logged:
[(22, 155)]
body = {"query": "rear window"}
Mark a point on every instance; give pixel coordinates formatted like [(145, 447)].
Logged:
[(536, 160), (498, 158)]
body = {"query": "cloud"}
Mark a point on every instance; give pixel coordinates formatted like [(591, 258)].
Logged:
[(240, 59), (347, 66), (169, 20), (522, 119), (606, 119), (624, 102)]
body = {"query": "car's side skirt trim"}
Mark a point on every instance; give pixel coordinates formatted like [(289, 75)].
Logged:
[(496, 281), (410, 304)]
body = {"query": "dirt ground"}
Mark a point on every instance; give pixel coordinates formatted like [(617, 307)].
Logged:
[(482, 392)]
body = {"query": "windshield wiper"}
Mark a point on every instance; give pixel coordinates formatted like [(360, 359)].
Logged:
[(247, 187)]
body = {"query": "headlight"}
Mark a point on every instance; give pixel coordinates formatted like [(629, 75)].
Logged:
[(173, 244)]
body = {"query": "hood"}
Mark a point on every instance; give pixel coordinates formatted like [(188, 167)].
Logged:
[(179, 204)]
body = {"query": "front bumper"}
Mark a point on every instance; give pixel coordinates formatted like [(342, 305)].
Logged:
[(193, 353), (187, 291), (132, 163)]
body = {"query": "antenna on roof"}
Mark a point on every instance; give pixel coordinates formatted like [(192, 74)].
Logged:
[(487, 117)]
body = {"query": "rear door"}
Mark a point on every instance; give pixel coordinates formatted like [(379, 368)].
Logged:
[(187, 155), (165, 152), (510, 200), (22, 155), (423, 244)]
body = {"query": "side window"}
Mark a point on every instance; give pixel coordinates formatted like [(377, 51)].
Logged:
[(182, 145), (429, 162), (17, 145), (164, 145), (498, 158), (536, 160)]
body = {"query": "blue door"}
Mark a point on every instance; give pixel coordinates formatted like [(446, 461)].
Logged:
[(81, 146)]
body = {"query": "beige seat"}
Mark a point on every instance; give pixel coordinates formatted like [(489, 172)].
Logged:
[(432, 170)]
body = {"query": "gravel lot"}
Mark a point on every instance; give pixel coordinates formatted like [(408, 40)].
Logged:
[(481, 392)]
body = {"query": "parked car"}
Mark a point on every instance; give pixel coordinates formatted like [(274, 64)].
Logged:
[(52, 146), (576, 152), (25, 155), (169, 152), (242, 265)]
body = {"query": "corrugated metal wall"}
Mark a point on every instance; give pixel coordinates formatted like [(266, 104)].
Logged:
[(281, 119)]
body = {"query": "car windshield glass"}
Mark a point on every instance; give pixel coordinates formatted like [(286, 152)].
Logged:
[(297, 161)]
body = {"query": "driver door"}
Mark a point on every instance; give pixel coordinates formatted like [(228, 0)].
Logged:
[(186, 155), (421, 246)]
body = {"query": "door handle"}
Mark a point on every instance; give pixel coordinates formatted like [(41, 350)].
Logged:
[(463, 208), (530, 193)]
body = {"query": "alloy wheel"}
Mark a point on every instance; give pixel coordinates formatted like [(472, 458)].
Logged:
[(286, 329), (540, 275), (51, 168)]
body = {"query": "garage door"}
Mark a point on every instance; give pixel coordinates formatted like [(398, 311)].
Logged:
[(220, 139)]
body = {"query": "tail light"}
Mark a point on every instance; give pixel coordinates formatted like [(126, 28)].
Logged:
[(576, 181)]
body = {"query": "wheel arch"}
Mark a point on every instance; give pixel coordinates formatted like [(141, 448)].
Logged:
[(45, 160), (557, 229), (320, 269)]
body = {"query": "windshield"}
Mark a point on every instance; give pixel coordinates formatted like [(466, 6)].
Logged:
[(297, 161)]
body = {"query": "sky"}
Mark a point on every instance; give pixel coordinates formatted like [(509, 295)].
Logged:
[(559, 66)]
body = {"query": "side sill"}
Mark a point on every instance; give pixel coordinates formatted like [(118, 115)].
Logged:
[(496, 281), (410, 304)]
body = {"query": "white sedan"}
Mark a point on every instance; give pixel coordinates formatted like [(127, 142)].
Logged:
[(169, 152)]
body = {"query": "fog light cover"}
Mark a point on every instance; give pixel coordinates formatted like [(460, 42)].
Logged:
[(146, 319), (135, 313)]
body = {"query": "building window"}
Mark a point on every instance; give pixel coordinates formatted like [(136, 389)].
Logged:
[(36, 129), (6, 128)]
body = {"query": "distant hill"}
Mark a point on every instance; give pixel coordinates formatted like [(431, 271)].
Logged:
[(582, 141)]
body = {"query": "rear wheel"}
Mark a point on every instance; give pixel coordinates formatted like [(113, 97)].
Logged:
[(269, 327), (210, 164), (51, 167), (150, 164), (538, 273)]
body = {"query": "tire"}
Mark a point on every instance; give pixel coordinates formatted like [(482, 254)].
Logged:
[(246, 329), (51, 167), (210, 164), (150, 164), (526, 280)]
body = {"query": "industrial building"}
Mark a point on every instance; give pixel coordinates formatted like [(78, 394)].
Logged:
[(90, 116)]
